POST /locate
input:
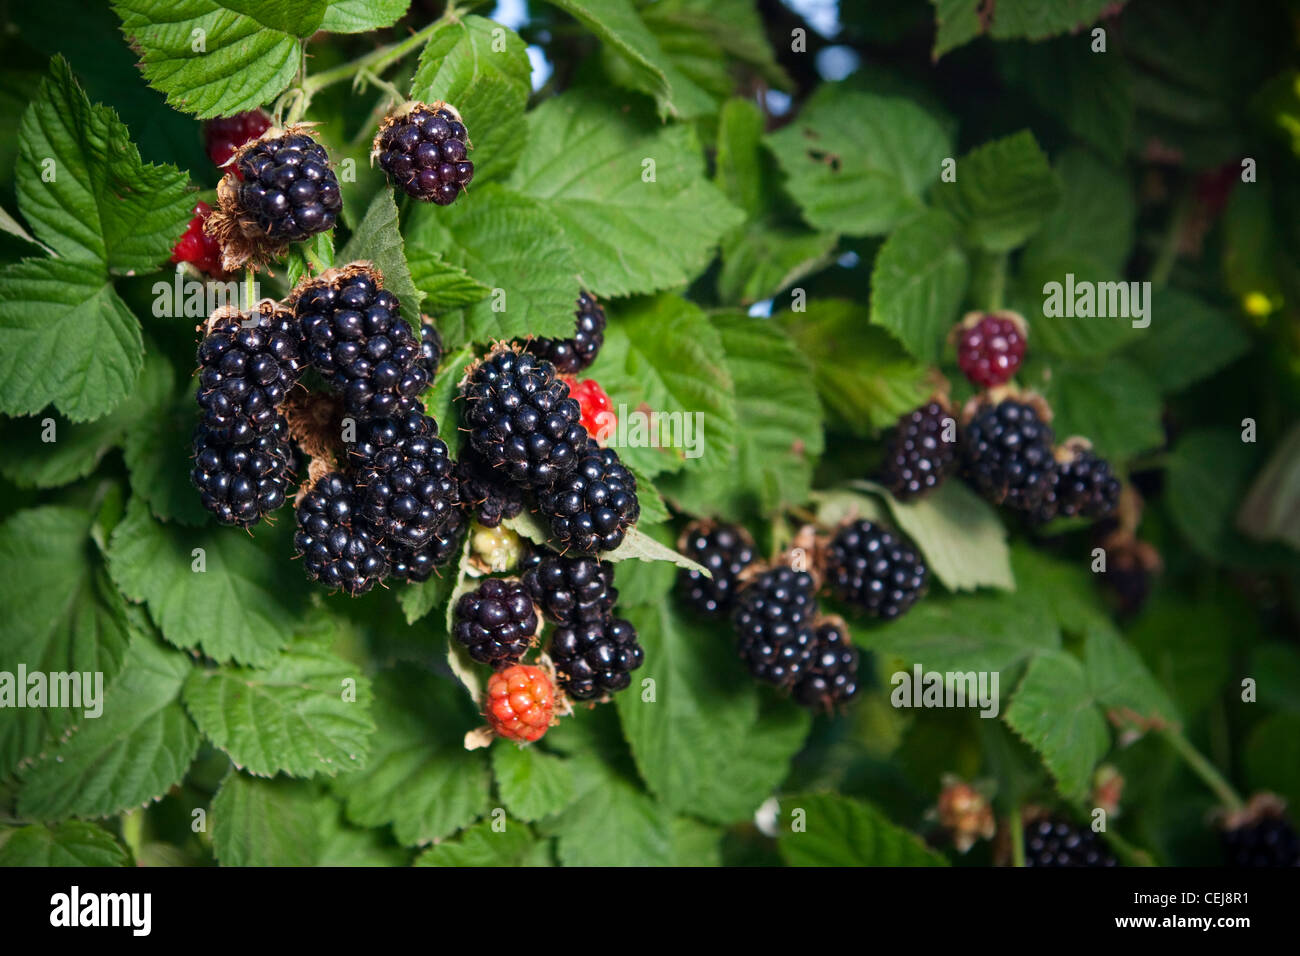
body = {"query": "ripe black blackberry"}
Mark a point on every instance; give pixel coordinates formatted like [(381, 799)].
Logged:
[(1052, 842), (487, 493), (521, 418), (1081, 485), (571, 356), (595, 658), (423, 150), (1007, 451), (724, 550), (917, 458), (286, 188), (571, 591), (1259, 835), (246, 373), (774, 625), (430, 349), (591, 508), (418, 564), (869, 567), (405, 478), (241, 484), (497, 622), (337, 545), (831, 676), (359, 341)]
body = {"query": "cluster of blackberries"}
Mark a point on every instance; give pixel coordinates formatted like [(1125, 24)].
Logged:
[(242, 457), (527, 437), (423, 150)]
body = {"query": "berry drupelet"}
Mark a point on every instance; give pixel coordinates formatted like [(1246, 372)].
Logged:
[(424, 152), (870, 568)]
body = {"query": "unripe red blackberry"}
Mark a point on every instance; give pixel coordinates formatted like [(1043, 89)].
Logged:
[(917, 458), (870, 568), (241, 484), (596, 658), (594, 506), (486, 493), (990, 347), (405, 478), (571, 591), (497, 622), (1007, 454), (831, 676), (571, 356), (521, 419), (597, 409), (774, 625), (724, 550), (418, 564), (423, 149), (519, 703), (357, 339), (337, 545), (223, 135), (286, 190), (1081, 485), (1054, 842), (198, 248), (245, 373)]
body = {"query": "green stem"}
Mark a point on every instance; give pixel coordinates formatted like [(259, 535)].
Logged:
[(368, 78), (249, 280), (1168, 255), (376, 61), (1205, 770), (997, 281), (1017, 837)]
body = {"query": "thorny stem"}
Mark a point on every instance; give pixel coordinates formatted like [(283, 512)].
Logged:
[(1205, 770)]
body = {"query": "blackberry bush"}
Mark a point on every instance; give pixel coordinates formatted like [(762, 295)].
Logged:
[(593, 507), (423, 149), (497, 622), (875, 571), (595, 658), (724, 551)]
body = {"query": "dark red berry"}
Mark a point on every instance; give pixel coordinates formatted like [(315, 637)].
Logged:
[(197, 247), (225, 134), (991, 347)]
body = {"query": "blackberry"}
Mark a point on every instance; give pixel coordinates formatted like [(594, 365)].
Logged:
[(596, 657), (724, 550), (521, 419), (832, 675), (246, 373), (286, 188), (571, 356), (336, 542), (1266, 842), (917, 458), (774, 625), (592, 508), (497, 622), (430, 349), (405, 478), (418, 564), (359, 341), (991, 347), (1008, 454), (241, 484), (1052, 842), (424, 152), (871, 569), (572, 591), (1081, 485), (486, 493)]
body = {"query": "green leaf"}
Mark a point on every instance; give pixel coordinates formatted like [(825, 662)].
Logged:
[(481, 845), (1004, 191), (840, 831), (1272, 756), (419, 777), (243, 587), (482, 69), (285, 822), (588, 163), (701, 695), (65, 338), (763, 260), (1054, 712), (640, 546), (779, 434), (83, 187), (1112, 403), (245, 60), (960, 21), (662, 355), (957, 22), (1188, 340), (918, 282), (857, 163), (463, 667), (72, 843), (863, 375), (1060, 283), (1121, 683), (310, 258), (961, 536), (531, 783), (378, 240), (512, 245), (158, 450), (443, 285), (707, 27), (1206, 479), (306, 713), (611, 822), (75, 449), (1271, 510), (419, 598), (1094, 220), (1186, 644), (62, 615), (362, 16), (139, 747)]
